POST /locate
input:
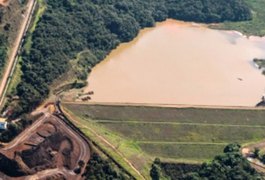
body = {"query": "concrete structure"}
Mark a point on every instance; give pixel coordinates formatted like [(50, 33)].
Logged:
[(3, 124)]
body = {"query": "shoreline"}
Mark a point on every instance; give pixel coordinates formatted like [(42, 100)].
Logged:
[(166, 105)]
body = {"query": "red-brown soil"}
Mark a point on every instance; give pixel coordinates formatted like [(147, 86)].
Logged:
[(4, 2), (49, 148)]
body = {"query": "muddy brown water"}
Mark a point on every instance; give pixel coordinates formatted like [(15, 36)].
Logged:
[(182, 63)]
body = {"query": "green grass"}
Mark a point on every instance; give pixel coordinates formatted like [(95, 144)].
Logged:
[(173, 132), (16, 78), (254, 27), (196, 152), (180, 115), (127, 148), (187, 132), (74, 73)]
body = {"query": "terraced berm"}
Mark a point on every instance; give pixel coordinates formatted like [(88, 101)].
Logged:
[(194, 134)]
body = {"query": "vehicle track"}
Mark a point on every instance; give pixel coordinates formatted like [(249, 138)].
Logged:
[(84, 154)]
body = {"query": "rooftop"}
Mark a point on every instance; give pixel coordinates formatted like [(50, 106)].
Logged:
[(2, 120)]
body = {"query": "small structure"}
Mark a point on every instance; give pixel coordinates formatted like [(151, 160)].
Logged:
[(86, 98), (90, 93), (15, 98), (3, 124)]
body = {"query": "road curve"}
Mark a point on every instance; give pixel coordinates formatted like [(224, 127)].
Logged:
[(108, 144), (25, 134), (84, 153), (247, 152)]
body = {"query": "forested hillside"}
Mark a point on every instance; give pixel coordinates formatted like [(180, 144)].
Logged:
[(99, 168), (3, 50), (71, 26)]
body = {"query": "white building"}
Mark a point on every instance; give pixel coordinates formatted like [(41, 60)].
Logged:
[(3, 124)]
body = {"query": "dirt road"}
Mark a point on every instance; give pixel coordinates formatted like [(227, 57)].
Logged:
[(12, 57), (107, 143), (4, 2), (25, 134), (81, 147), (255, 163)]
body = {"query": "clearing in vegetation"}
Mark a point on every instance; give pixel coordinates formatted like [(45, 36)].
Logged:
[(256, 26), (173, 134)]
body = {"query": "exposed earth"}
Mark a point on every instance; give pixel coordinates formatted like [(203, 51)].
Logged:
[(48, 149), (4, 2)]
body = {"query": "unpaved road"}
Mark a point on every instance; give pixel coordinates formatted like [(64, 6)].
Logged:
[(14, 50), (255, 163), (84, 156), (106, 142), (84, 153), (4, 2), (25, 134)]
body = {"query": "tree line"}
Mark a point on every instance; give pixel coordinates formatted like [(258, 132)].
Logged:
[(3, 51), (99, 168), (229, 165), (71, 26)]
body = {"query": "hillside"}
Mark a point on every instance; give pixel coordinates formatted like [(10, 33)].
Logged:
[(10, 19), (191, 135), (254, 27), (65, 40)]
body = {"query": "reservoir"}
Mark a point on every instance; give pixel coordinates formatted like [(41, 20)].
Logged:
[(178, 63)]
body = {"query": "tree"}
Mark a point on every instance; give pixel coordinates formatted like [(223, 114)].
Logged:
[(232, 148), (262, 158), (155, 171), (67, 28), (99, 168), (256, 153), (230, 165)]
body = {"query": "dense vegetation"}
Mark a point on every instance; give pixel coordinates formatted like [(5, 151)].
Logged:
[(3, 50), (229, 165), (10, 167), (72, 26), (98, 169), (178, 169), (256, 26), (260, 63)]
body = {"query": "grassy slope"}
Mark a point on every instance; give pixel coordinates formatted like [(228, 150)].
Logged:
[(253, 27), (187, 133), (214, 116), (94, 131), (170, 133)]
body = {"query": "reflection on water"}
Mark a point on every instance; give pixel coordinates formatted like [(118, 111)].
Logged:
[(182, 63)]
